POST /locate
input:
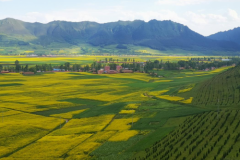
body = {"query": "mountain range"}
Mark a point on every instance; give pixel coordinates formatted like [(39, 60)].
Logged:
[(159, 35), (231, 35)]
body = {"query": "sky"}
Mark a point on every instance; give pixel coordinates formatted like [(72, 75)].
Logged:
[(202, 16)]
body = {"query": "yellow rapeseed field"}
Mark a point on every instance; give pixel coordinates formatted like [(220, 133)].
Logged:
[(29, 52), (185, 90), (132, 106), (68, 115), (121, 124), (84, 148), (157, 93), (170, 98), (188, 101), (23, 128), (124, 135), (50, 147), (84, 125), (101, 136), (127, 112)]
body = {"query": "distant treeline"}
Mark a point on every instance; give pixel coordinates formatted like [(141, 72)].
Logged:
[(44, 67), (198, 64)]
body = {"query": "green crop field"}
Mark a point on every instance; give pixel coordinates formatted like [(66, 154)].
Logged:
[(209, 135), (222, 90)]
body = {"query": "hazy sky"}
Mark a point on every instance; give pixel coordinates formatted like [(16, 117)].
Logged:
[(203, 16)]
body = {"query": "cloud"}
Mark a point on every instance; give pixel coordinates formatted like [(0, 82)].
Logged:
[(186, 2), (102, 16), (180, 2), (204, 19), (233, 14), (208, 24)]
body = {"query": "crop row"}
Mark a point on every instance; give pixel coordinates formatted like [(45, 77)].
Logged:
[(200, 137)]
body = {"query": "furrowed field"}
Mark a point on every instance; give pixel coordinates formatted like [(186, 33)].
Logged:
[(210, 135), (79, 115)]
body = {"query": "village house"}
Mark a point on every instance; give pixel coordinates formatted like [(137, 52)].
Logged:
[(107, 68), (119, 68)]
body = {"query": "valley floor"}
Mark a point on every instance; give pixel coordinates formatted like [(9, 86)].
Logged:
[(85, 116)]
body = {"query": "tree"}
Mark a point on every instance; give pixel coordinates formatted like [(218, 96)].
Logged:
[(26, 68), (18, 66), (67, 65)]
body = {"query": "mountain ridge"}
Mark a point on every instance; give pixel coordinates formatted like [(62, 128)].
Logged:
[(159, 35), (232, 35)]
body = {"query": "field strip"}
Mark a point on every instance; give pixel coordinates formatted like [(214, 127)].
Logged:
[(9, 154), (64, 155), (109, 123)]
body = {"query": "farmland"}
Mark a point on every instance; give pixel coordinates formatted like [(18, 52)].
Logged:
[(221, 90), (210, 135), (80, 115)]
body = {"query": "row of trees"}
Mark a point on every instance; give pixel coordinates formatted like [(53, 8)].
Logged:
[(146, 67), (17, 67), (150, 65)]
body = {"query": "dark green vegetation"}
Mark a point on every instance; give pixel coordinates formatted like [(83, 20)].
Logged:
[(160, 119), (222, 90), (159, 35), (231, 35), (210, 135)]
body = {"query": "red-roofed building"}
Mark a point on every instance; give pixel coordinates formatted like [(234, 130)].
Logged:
[(119, 68), (107, 68)]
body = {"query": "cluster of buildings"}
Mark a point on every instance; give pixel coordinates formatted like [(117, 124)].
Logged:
[(107, 70)]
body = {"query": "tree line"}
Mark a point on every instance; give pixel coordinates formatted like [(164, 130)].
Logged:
[(147, 67)]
